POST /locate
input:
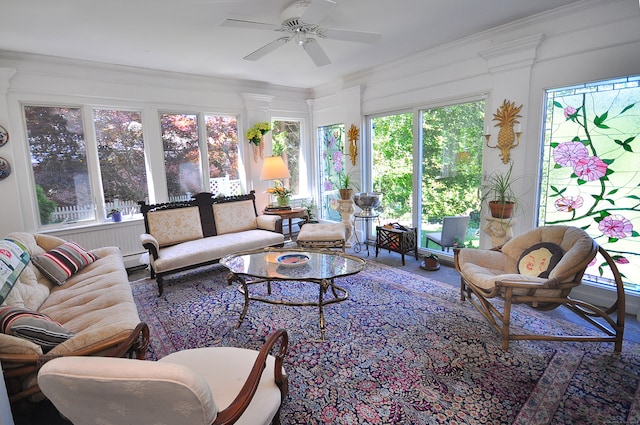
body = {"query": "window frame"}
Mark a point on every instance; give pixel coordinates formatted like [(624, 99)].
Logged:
[(154, 161)]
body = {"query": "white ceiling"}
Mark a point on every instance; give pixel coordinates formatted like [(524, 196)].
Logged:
[(186, 36)]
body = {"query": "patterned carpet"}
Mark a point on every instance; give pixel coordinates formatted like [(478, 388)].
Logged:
[(403, 349)]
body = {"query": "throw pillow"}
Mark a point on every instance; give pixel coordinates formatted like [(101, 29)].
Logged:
[(63, 261), (540, 259), (13, 259), (33, 326)]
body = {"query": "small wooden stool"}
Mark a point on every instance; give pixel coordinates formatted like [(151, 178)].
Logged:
[(322, 235)]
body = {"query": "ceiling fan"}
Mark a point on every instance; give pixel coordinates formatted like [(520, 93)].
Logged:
[(301, 23)]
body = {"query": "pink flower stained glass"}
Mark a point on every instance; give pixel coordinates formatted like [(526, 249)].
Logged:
[(590, 169), (616, 226), (569, 153), (569, 203)]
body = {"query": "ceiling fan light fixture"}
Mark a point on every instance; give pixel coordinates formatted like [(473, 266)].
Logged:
[(301, 38)]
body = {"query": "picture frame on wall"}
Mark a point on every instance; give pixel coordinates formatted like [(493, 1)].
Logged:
[(4, 136), (5, 168)]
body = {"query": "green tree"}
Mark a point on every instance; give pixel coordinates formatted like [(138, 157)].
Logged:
[(286, 143), (222, 146), (452, 143), (393, 164), (181, 153), (58, 153), (46, 206), (451, 162), (121, 154)]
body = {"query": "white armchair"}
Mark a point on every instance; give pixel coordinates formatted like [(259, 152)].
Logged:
[(215, 385)]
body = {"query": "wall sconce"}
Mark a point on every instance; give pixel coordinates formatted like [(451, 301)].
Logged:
[(353, 135), (506, 116)]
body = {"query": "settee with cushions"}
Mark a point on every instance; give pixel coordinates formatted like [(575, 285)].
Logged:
[(200, 231), (58, 299)]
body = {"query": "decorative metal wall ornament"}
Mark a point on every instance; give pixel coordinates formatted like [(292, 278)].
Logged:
[(353, 135), (4, 136), (506, 116), (5, 168)]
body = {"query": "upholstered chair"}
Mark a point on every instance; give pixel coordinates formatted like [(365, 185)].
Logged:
[(539, 268), (215, 385)]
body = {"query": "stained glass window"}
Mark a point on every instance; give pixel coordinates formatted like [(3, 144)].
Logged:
[(591, 169), (331, 142)]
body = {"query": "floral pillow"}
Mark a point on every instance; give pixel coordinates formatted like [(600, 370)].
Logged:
[(540, 259)]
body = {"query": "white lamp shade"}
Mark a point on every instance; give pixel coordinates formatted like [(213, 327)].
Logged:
[(274, 168)]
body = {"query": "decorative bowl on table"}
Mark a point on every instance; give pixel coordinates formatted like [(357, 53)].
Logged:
[(368, 202), (292, 260)]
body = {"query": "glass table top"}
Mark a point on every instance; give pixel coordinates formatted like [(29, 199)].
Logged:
[(295, 264)]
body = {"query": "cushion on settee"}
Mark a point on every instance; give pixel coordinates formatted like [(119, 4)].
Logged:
[(174, 226), (232, 217), (33, 326), (64, 261)]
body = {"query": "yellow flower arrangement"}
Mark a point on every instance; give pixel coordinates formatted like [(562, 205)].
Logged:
[(255, 133), (280, 191)]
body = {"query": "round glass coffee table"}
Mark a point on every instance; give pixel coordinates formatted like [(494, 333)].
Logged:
[(319, 267)]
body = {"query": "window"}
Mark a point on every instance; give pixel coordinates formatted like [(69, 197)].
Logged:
[(286, 143), (222, 152), (449, 167), (331, 142), (181, 154), (121, 156), (59, 163), (590, 175), (452, 142), (392, 168)]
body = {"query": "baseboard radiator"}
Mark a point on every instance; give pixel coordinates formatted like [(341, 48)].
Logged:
[(125, 235)]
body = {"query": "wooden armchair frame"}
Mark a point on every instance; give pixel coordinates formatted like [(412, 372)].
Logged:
[(611, 322), (118, 377), (16, 367), (234, 411)]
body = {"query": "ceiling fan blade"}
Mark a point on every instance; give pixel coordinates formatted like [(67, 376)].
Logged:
[(238, 23), (317, 11), (347, 35), (266, 49), (316, 53)]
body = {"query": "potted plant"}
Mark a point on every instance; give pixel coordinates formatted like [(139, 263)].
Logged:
[(115, 214), (255, 133), (311, 207), (346, 185), (282, 194), (499, 194)]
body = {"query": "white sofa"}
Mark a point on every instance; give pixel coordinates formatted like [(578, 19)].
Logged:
[(94, 308), (184, 235)]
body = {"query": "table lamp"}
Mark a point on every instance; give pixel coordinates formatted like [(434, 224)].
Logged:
[(274, 168)]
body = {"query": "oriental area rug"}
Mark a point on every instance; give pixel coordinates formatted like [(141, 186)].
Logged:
[(403, 349)]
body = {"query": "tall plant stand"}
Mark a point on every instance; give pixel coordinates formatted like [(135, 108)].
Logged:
[(346, 210), (500, 229), (359, 217)]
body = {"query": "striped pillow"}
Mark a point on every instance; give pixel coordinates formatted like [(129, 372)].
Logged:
[(33, 326), (63, 261)]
